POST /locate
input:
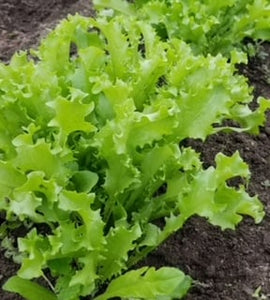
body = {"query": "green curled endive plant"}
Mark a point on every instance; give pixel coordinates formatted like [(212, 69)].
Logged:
[(88, 139)]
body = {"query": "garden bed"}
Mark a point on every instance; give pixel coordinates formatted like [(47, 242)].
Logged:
[(225, 265)]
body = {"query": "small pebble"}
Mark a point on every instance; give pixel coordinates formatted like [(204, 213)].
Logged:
[(210, 271)]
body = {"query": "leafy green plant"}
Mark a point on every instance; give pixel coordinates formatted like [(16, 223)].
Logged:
[(89, 140), (208, 26)]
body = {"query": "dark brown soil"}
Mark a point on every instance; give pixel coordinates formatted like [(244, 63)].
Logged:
[(24, 22), (227, 265)]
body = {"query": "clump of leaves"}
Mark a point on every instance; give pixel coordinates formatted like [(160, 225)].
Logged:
[(87, 141), (208, 26)]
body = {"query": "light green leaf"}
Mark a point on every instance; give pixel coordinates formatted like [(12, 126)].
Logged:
[(28, 159), (148, 284), (9, 179), (70, 115), (87, 275), (84, 180), (28, 289), (210, 197), (34, 245), (236, 203), (82, 235), (118, 5), (115, 257)]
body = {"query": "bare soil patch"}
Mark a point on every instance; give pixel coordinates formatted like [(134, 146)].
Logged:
[(226, 265)]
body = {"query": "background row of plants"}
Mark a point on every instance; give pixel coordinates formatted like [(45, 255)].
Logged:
[(92, 132)]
